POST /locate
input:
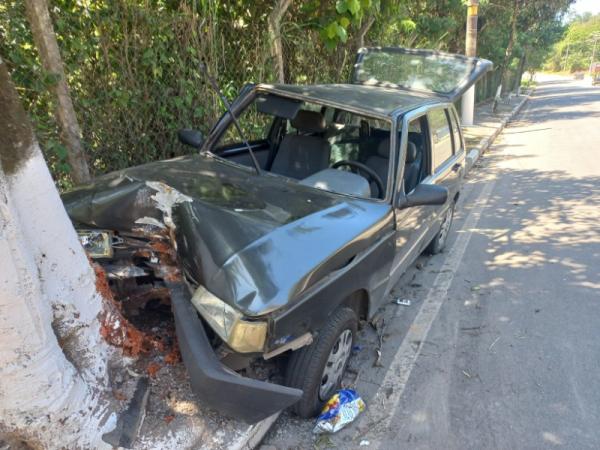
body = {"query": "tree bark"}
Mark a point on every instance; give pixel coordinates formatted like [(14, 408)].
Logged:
[(519, 76), (364, 29), (53, 361), (274, 26), (45, 41), (509, 48)]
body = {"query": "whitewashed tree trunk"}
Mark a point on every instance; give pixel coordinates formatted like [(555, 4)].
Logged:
[(53, 361)]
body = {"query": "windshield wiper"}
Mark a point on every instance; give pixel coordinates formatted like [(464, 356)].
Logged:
[(225, 102)]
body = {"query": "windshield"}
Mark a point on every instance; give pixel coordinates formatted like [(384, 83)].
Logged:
[(421, 70), (319, 146)]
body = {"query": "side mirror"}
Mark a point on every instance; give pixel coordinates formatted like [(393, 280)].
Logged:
[(190, 137), (426, 194)]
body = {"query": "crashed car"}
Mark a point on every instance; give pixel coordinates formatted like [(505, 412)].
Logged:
[(277, 238)]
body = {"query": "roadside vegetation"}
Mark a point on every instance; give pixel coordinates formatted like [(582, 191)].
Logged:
[(574, 52), (132, 66)]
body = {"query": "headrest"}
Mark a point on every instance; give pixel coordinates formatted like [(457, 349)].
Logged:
[(383, 149), (411, 152), (309, 121)]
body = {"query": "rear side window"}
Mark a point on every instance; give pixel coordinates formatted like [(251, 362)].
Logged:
[(455, 132), (440, 136)]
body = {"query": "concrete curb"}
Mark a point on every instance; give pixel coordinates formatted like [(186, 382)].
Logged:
[(254, 434), (475, 153)]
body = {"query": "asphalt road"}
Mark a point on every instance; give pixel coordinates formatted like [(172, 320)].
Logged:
[(500, 348)]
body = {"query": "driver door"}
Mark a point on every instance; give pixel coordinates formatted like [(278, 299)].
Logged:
[(412, 224)]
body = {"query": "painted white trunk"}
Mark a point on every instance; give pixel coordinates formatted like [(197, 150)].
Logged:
[(52, 359)]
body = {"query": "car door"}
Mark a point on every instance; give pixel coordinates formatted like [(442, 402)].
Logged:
[(412, 224), (448, 157), (445, 165)]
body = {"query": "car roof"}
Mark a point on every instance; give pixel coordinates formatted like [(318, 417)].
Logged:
[(371, 100)]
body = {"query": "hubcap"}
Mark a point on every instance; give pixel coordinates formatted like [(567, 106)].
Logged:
[(335, 365), (445, 227)]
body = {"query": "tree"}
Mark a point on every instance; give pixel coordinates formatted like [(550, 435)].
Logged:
[(509, 48), (274, 26), (53, 361), (45, 40), (581, 36)]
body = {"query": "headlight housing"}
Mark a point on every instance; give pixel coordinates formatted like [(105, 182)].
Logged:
[(243, 336)]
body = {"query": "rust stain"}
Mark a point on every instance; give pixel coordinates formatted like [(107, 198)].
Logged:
[(174, 356), (153, 368), (114, 327), (118, 330)]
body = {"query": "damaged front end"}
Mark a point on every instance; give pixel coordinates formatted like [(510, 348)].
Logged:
[(145, 278)]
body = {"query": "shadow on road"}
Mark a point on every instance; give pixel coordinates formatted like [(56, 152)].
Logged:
[(551, 218)]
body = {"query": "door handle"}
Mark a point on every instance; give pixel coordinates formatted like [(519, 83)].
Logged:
[(456, 167)]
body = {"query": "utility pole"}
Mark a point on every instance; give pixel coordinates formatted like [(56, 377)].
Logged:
[(468, 98)]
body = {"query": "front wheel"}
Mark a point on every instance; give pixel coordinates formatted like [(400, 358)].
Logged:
[(439, 241), (318, 368)]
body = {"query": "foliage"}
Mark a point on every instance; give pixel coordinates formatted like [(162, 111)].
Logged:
[(579, 39), (132, 65)]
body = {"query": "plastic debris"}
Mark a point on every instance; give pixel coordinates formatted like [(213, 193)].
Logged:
[(364, 443), (340, 410), (402, 302)]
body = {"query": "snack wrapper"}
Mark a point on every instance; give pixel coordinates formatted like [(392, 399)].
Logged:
[(341, 409)]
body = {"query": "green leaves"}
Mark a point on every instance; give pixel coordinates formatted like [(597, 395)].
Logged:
[(348, 13)]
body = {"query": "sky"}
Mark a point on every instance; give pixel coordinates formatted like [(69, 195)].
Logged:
[(582, 6)]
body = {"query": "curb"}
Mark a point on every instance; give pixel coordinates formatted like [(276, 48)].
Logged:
[(475, 153), (254, 434)]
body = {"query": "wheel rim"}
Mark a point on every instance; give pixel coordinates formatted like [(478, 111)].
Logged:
[(445, 227), (335, 365)]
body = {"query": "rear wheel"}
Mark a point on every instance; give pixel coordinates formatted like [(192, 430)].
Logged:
[(438, 243), (318, 368)]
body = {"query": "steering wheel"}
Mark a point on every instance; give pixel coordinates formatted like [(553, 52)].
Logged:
[(360, 166)]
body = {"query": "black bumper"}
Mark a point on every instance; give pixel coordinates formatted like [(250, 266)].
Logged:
[(216, 385)]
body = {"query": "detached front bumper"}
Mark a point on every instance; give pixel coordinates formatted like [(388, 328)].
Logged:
[(216, 385)]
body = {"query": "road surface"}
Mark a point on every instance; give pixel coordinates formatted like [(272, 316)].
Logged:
[(500, 348)]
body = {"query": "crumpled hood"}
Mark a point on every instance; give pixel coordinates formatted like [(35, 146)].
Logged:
[(254, 241)]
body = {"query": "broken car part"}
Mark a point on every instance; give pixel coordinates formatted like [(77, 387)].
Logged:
[(402, 301), (216, 385), (96, 243), (240, 334), (295, 344)]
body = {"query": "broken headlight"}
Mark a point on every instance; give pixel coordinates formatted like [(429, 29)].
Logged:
[(96, 243), (243, 336)]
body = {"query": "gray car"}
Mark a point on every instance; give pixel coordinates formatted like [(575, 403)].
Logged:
[(272, 246)]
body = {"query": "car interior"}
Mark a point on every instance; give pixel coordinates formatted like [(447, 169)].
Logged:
[(321, 146)]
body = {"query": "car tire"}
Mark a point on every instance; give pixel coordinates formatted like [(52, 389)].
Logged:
[(438, 243), (306, 367)]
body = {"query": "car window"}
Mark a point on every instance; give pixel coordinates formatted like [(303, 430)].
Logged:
[(416, 166), (319, 146), (456, 140), (440, 137), (355, 137), (254, 124)]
